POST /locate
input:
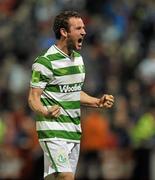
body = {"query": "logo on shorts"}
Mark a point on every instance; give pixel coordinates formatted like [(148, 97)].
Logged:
[(62, 159)]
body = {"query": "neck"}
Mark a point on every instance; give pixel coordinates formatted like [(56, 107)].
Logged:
[(62, 45)]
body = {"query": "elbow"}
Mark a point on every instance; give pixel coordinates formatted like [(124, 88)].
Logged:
[(29, 100), (30, 104)]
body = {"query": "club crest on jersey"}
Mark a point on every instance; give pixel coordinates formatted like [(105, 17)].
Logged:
[(70, 87)]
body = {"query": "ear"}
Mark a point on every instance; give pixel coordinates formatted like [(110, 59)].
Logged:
[(63, 32)]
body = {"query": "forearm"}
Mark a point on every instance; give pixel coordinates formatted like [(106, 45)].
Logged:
[(35, 103), (37, 107), (88, 100)]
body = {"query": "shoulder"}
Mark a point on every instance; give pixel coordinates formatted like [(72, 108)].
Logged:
[(53, 54), (44, 56), (42, 60)]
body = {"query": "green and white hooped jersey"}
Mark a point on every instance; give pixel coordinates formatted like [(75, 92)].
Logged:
[(61, 79)]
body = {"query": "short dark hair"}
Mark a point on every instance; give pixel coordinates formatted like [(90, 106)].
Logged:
[(61, 21)]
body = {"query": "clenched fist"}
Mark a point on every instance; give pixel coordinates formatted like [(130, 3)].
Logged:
[(106, 101), (53, 111)]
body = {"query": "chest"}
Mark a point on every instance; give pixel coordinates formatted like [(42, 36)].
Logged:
[(68, 71)]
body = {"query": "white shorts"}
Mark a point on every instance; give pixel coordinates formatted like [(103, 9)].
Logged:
[(60, 156)]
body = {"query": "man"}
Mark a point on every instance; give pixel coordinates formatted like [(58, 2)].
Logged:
[(55, 96)]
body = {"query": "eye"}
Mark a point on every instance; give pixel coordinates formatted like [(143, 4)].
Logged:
[(78, 28)]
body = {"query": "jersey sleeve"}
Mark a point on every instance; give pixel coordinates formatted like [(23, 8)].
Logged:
[(41, 73)]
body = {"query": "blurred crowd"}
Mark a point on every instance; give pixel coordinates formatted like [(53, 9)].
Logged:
[(119, 55)]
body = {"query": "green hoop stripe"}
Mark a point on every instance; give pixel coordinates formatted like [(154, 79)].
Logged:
[(52, 88), (59, 134), (44, 78), (38, 77), (53, 163), (69, 70), (44, 61), (61, 119), (64, 104), (55, 57)]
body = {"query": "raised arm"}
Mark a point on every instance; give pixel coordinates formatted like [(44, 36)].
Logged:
[(106, 100)]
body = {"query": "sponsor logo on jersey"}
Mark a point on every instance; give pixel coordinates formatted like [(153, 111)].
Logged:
[(70, 88)]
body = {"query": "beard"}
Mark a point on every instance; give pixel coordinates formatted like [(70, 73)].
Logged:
[(71, 45)]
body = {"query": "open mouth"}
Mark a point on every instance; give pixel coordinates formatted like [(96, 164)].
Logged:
[(80, 40)]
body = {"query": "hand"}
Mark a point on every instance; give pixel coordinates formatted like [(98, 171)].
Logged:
[(106, 101), (53, 111)]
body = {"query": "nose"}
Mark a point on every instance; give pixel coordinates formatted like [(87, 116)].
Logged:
[(83, 33)]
